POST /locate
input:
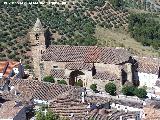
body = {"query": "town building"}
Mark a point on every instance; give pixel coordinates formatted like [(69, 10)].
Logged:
[(11, 110), (10, 69)]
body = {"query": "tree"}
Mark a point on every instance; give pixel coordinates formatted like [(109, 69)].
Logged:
[(49, 116), (93, 87), (145, 29), (141, 92), (128, 90), (117, 3), (49, 79), (40, 115), (110, 88), (62, 82)]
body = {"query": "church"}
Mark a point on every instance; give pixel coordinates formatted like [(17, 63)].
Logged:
[(90, 64)]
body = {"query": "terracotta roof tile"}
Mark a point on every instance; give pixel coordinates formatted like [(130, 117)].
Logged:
[(78, 66), (9, 110), (85, 54), (148, 65), (105, 76), (39, 90), (3, 64), (58, 73), (10, 67)]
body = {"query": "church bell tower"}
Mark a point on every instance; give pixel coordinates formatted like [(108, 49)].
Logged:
[(37, 40)]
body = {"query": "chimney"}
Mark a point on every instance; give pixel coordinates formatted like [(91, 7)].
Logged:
[(129, 72)]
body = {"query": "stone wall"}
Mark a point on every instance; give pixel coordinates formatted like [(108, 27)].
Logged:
[(108, 67), (36, 61), (48, 66)]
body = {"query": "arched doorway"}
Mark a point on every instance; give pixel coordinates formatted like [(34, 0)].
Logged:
[(73, 77)]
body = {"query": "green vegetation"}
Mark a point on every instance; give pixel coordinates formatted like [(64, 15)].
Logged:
[(141, 92), (140, 5), (79, 83), (128, 90), (117, 3), (62, 82), (131, 91), (110, 88), (40, 115), (145, 29), (73, 24), (93, 87), (49, 79), (27, 66)]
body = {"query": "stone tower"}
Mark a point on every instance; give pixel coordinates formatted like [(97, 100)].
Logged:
[(37, 40)]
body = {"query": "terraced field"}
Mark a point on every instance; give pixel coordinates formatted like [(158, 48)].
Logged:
[(73, 23)]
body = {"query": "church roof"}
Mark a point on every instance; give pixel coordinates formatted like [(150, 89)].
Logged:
[(78, 66), (66, 53), (105, 75), (58, 73)]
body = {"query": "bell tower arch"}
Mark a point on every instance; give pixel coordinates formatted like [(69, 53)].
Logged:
[(38, 46)]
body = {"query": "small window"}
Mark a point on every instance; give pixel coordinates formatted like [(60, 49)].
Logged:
[(55, 66)]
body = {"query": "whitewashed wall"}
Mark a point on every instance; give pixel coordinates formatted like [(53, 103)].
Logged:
[(16, 70), (146, 79)]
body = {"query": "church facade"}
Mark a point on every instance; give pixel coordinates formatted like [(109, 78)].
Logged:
[(90, 64)]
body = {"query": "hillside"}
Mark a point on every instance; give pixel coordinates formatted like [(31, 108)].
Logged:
[(114, 38), (73, 23)]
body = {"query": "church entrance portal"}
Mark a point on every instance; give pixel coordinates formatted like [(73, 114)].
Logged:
[(73, 78)]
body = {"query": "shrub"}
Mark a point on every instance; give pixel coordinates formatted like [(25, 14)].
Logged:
[(128, 90), (49, 79), (27, 66), (140, 92), (93, 87), (110, 88), (62, 82), (40, 115)]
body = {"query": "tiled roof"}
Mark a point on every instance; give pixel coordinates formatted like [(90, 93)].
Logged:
[(11, 65), (148, 65), (105, 76), (3, 64), (58, 73), (85, 54), (40, 90), (78, 66), (9, 110)]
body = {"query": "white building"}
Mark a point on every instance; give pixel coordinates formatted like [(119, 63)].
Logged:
[(148, 71)]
